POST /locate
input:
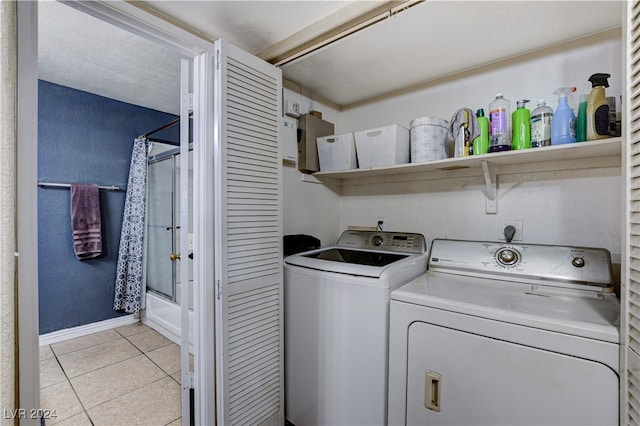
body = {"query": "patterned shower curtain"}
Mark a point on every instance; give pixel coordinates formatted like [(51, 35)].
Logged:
[(130, 270)]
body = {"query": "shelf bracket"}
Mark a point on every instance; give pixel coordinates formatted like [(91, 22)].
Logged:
[(491, 193), (491, 189)]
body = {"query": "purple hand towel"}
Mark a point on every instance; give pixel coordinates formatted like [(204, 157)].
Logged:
[(85, 221)]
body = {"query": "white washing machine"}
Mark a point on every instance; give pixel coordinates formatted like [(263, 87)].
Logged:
[(506, 334), (337, 325)]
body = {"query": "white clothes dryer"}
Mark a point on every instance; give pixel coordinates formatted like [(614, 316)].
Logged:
[(506, 334), (337, 322)]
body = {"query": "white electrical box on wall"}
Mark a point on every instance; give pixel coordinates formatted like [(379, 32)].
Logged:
[(292, 108), (289, 132)]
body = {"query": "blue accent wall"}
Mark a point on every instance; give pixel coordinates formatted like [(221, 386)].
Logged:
[(83, 138)]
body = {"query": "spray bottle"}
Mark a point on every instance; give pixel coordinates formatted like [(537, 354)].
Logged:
[(521, 120), (563, 126), (598, 108)]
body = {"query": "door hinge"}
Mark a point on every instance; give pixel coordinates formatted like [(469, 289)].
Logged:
[(218, 59), (219, 289), (187, 380), (188, 102)]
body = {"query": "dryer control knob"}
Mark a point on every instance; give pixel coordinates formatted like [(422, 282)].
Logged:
[(578, 262), (376, 240), (507, 256)]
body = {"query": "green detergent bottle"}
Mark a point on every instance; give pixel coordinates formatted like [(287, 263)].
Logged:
[(481, 143), (521, 125), (581, 127)]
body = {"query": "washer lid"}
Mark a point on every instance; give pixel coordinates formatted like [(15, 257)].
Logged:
[(388, 276), (592, 315), (353, 262), (369, 258)]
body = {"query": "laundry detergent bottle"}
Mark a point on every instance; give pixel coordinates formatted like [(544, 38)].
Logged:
[(581, 127), (563, 126), (481, 143), (500, 124), (598, 108), (521, 122)]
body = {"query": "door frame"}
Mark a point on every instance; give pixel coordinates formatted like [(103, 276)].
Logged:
[(133, 19)]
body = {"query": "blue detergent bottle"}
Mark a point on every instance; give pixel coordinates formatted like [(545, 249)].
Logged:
[(563, 126)]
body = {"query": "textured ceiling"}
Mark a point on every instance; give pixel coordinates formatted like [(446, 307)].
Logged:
[(425, 42), (435, 39), (252, 25), (85, 53)]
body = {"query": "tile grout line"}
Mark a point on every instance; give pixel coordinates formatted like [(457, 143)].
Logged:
[(160, 347), (140, 387), (157, 365), (129, 392), (179, 383), (138, 349), (92, 346), (86, 411), (72, 388), (126, 338)]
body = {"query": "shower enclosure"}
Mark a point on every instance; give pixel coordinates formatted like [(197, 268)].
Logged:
[(163, 280)]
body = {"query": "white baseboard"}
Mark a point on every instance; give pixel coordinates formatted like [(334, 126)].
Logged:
[(83, 330)]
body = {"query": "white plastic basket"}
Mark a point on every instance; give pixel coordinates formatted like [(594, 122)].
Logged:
[(337, 152), (384, 146)]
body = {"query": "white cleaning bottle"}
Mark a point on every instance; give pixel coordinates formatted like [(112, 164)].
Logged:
[(499, 124), (541, 119), (563, 126)]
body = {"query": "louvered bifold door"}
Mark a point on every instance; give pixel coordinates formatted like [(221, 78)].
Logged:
[(249, 328), (631, 409)]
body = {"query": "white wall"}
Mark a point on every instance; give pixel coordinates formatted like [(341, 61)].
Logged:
[(310, 208), (580, 207), (530, 77)]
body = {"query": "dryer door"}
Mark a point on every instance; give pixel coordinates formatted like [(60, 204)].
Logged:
[(459, 378)]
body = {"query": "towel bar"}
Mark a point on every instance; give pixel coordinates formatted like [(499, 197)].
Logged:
[(68, 185)]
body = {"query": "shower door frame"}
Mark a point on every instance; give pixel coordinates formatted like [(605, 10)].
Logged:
[(156, 159), (200, 53), (172, 156)]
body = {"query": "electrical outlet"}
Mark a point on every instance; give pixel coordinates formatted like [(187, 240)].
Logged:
[(382, 224), (516, 224), (292, 109)]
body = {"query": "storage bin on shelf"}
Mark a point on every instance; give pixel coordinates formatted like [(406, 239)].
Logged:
[(384, 146), (428, 139), (337, 152)]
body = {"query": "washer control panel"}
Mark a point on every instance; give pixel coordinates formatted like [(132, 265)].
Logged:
[(403, 242), (580, 265)]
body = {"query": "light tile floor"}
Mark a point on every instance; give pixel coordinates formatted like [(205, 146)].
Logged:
[(125, 376)]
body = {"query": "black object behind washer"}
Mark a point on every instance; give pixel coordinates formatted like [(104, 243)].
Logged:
[(298, 243)]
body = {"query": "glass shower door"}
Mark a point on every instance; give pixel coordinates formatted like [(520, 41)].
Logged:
[(189, 258), (160, 227)]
